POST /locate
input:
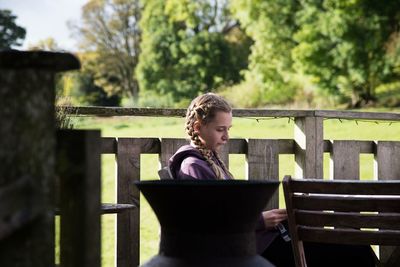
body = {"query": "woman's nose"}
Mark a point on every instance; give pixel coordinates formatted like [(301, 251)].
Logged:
[(225, 136)]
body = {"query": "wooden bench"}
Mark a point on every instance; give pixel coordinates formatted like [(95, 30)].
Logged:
[(343, 212)]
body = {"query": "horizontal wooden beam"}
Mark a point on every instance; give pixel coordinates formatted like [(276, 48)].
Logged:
[(269, 113), (360, 115), (236, 145)]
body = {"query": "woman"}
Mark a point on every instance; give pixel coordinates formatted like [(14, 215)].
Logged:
[(208, 121)]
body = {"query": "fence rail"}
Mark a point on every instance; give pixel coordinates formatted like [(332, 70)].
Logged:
[(170, 112)]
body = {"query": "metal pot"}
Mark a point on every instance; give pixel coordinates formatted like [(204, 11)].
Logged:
[(207, 222)]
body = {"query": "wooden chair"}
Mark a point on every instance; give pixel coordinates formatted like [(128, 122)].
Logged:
[(343, 212)]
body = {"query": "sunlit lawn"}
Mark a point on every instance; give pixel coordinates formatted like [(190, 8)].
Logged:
[(242, 128)]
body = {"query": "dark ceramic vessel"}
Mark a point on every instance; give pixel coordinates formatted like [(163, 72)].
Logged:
[(207, 222)]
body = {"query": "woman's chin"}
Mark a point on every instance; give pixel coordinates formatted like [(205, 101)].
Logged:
[(218, 147)]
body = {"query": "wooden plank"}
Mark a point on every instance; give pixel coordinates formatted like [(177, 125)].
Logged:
[(297, 243), (348, 236), (348, 219), (237, 146), (111, 208), (366, 147), (128, 223), (345, 160), (347, 203), (357, 115), (387, 167), (118, 111), (168, 112), (356, 187), (387, 160), (108, 145), (128, 171), (224, 154), (286, 146), (309, 147), (271, 113), (78, 166), (107, 208), (263, 164)]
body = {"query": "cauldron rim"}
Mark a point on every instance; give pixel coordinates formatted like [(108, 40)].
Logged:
[(200, 182)]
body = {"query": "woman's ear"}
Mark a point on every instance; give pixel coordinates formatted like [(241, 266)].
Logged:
[(196, 126)]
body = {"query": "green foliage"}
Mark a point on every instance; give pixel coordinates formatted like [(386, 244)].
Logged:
[(10, 33), (343, 45), (82, 90), (152, 99), (271, 24), (388, 94), (63, 112), (346, 48), (188, 48)]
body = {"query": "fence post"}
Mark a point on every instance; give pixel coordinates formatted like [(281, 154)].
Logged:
[(309, 149), (386, 167), (27, 155), (263, 164), (78, 167)]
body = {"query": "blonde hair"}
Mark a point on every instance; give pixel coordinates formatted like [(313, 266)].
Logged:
[(204, 109)]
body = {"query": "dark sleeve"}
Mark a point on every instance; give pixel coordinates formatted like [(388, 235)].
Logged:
[(196, 168), (260, 223)]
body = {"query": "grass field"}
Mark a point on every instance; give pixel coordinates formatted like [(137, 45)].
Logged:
[(242, 128)]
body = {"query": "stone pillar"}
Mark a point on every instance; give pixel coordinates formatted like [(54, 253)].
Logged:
[(27, 155)]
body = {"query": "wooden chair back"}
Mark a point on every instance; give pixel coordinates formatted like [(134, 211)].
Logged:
[(342, 212)]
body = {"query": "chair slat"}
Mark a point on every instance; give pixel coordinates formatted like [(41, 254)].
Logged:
[(347, 219), (387, 187), (346, 203), (348, 236)]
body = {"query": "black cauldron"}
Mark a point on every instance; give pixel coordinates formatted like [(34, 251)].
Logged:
[(207, 222)]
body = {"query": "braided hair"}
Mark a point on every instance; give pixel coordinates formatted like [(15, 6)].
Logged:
[(203, 109)]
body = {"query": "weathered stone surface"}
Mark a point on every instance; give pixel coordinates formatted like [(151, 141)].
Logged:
[(27, 148)]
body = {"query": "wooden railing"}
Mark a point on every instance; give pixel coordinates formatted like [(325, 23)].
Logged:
[(262, 157)]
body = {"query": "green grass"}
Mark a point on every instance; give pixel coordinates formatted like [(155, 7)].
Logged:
[(242, 128)]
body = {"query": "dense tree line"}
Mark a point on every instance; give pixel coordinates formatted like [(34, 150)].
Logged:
[(256, 52)]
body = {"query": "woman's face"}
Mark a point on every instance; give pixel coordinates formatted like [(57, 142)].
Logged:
[(215, 133)]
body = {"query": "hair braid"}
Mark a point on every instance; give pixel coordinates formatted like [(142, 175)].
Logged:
[(223, 165)]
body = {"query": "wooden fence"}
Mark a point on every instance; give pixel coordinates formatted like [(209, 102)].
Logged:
[(262, 157)]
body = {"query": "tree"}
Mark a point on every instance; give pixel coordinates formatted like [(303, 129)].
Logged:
[(10, 33), (189, 47), (110, 30), (271, 24), (344, 45), (343, 48)]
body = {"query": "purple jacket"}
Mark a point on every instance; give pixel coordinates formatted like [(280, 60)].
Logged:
[(189, 163)]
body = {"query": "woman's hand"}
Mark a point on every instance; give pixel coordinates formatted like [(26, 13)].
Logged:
[(273, 217)]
